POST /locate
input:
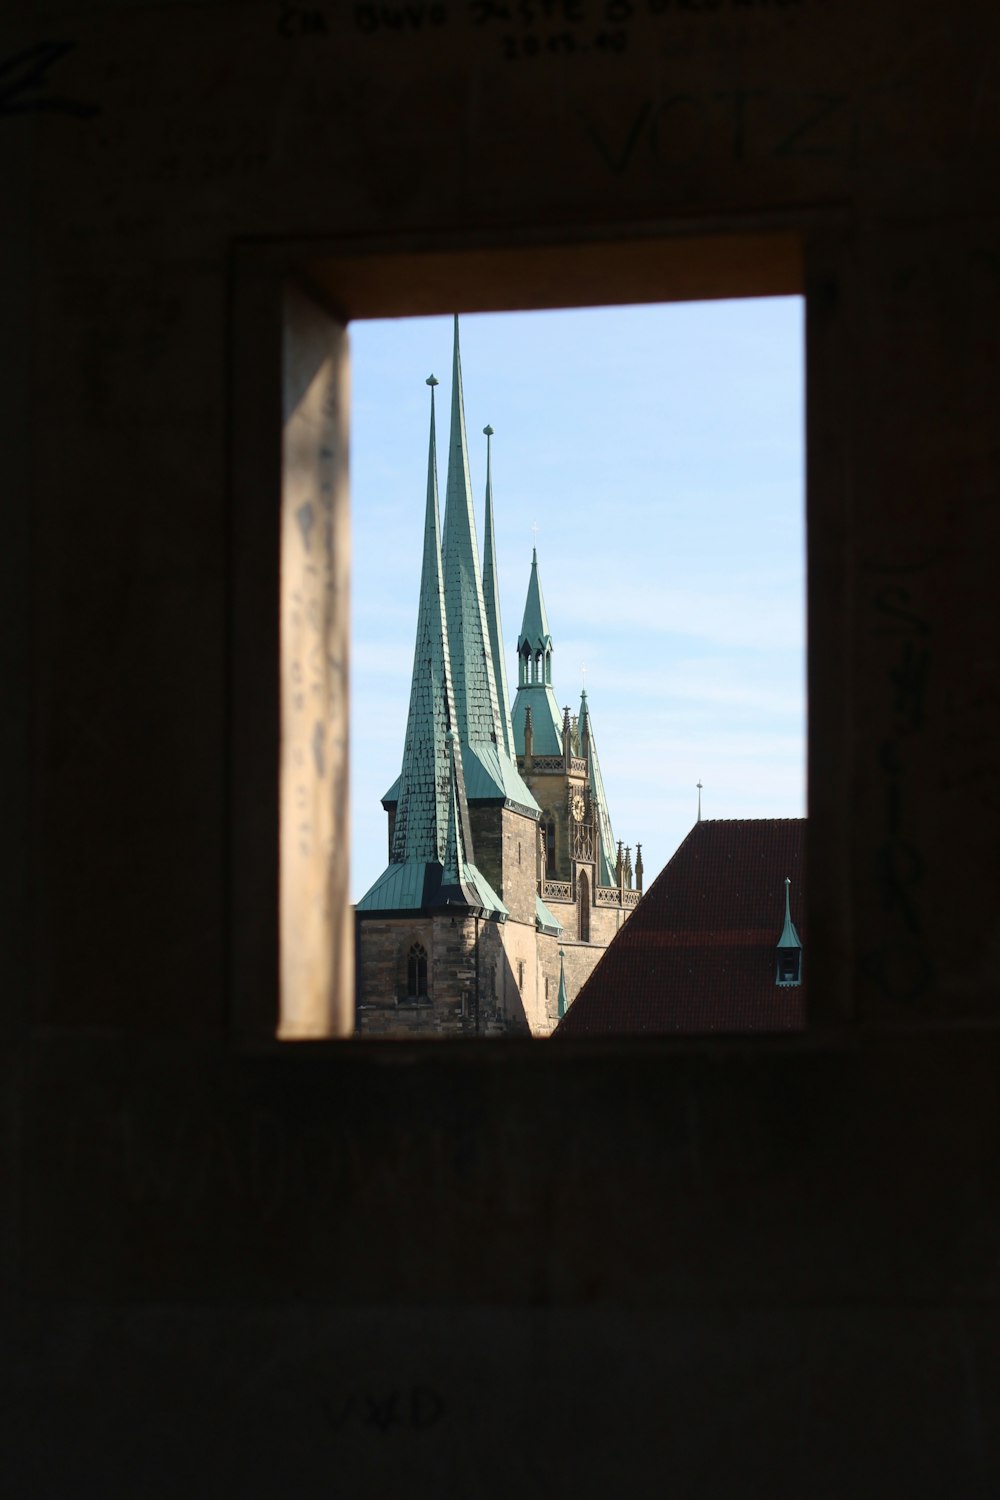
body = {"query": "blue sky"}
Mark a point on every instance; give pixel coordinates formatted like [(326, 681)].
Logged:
[(660, 453)]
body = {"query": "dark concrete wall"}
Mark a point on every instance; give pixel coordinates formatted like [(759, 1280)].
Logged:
[(705, 1270)]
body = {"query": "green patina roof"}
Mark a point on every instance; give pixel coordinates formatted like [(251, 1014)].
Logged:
[(546, 720), (418, 886), (391, 797), (489, 777), (491, 598), (607, 849), (789, 937), (535, 624), (544, 920)]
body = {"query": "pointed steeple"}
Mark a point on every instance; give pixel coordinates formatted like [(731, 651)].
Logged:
[(535, 633), (562, 1003), (534, 675), (476, 704), (490, 771), (491, 598), (431, 862), (422, 809), (638, 867)]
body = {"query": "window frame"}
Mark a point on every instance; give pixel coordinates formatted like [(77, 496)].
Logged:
[(414, 276)]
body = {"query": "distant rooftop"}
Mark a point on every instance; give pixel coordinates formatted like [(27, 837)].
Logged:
[(698, 954)]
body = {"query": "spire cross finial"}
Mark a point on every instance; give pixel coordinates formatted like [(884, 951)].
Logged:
[(583, 674), (534, 529), (699, 801)]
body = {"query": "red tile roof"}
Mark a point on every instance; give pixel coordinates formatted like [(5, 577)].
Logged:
[(698, 953)]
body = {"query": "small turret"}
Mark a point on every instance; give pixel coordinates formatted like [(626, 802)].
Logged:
[(789, 947), (529, 739), (567, 737), (619, 866), (638, 867), (628, 867), (562, 1005)]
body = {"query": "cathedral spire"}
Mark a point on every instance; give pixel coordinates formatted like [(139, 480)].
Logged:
[(476, 706), (490, 771), (431, 861), (422, 810), (491, 597)]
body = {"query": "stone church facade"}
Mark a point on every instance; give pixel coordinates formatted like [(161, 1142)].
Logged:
[(504, 883)]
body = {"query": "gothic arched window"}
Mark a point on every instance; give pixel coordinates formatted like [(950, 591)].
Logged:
[(416, 971), (583, 915)]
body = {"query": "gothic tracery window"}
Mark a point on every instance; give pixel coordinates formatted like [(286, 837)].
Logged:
[(416, 971)]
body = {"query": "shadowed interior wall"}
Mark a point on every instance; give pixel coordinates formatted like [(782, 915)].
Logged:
[(712, 1269)]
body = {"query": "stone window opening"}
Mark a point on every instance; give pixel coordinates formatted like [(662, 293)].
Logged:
[(416, 973)]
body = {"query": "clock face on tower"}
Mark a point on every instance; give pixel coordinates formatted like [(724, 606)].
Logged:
[(577, 807)]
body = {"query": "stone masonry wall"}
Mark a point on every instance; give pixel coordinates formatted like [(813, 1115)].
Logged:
[(386, 1007)]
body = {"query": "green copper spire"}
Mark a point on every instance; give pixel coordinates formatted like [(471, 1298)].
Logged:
[(535, 623), (789, 937), (534, 676), (491, 596), (607, 857), (431, 862), (563, 1003), (425, 783), (476, 707), (490, 771)]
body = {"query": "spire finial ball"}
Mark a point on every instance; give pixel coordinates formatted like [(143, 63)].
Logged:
[(488, 430), (432, 381)]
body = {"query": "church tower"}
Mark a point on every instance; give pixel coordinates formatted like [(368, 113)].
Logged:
[(404, 952), (582, 882)]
